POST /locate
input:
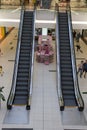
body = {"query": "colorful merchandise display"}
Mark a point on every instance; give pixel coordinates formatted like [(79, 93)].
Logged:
[(44, 50)]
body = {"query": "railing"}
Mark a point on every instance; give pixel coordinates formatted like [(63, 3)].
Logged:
[(12, 92), (59, 91), (76, 85), (32, 64)]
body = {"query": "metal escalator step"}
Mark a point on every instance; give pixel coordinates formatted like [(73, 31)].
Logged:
[(66, 66), (21, 97), (64, 78), (70, 102), (66, 32), (63, 58), (63, 29), (20, 93), (25, 41), (22, 74), (68, 92), (64, 70), (25, 54), (22, 79), (66, 74), (26, 70), (25, 29), (23, 51), (67, 83), (64, 42), (23, 69), (67, 89), (63, 20), (20, 102), (27, 26), (65, 24), (62, 38), (65, 62), (20, 88), (24, 58), (28, 37), (24, 63), (64, 48), (26, 46), (69, 97), (65, 55), (22, 83)]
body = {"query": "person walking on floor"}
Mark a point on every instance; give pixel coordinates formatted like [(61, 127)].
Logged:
[(85, 68), (78, 47), (80, 69)]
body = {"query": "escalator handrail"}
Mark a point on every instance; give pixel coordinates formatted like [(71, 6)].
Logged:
[(31, 65), (59, 91), (75, 77), (13, 86)]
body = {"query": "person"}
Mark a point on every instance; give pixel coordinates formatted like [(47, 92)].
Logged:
[(74, 34), (85, 68), (78, 47), (78, 37), (80, 69)]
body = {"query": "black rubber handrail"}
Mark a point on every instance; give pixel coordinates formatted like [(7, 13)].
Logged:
[(12, 91), (78, 96)]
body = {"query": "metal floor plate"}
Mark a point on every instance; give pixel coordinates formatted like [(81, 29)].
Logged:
[(17, 115), (71, 116)]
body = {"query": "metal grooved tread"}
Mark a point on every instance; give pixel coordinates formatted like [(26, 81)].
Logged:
[(23, 75), (65, 62)]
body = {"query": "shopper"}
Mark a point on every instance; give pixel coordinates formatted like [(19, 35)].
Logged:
[(85, 68), (78, 47), (78, 37), (80, 69)]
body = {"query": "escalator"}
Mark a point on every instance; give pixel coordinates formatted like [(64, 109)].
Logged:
[(23, 78), (67, 85)]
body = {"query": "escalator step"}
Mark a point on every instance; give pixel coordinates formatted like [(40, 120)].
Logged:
[(67, 88), (69, 83), (66, 74), (68, 92), (66, 66), (22, 79), (20, 93), (66, 70), (23, 51), (70, 102), (66, 78), (20, 88), (22, 83), (63, 58), (20, 102)]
